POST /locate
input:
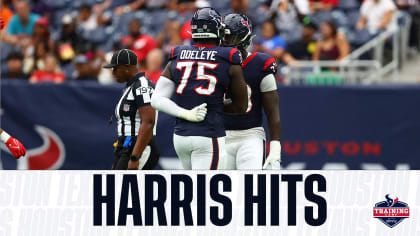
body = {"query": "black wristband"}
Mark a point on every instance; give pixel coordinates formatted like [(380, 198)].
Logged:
[(134, 158)]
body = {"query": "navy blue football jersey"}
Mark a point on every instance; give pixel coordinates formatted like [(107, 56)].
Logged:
[(255, 68), (201, 74)]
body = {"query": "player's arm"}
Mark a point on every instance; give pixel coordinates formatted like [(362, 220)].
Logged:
[(161, 99), (238, 90), (147, 115), (270, 102), (14, 145)]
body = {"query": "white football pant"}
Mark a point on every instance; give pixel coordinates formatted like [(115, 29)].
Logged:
[(200, 153), (245, 149)]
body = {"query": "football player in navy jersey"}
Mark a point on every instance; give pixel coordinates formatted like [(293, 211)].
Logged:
[(197, 77), (245, 136)]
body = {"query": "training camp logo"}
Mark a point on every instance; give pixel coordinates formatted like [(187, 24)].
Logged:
[(391, 212)]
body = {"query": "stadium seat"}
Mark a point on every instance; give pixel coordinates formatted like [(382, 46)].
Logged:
[(258, 16), (68, 70), (339, 18), (158, 19), (4, 68), (56, 23), (348, 5), (358, 37), (5, 49), (322, 16), (105, 46), (57, 4), (97, 35), (121, 22), (219, 5), (352, 17)]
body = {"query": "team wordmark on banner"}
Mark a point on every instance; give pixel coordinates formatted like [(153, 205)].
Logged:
[(354, 136)]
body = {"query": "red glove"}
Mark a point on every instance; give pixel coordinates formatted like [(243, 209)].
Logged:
[(15, 147), (1, 24)]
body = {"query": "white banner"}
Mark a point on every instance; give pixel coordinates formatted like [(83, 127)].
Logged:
[(209, 203)]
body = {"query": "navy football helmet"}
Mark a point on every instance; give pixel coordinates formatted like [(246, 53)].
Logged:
[(238, 31), (207, 24)]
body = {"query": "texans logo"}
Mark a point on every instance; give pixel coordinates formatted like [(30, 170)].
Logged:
[(391, 212), (49, 156), (244, 22)]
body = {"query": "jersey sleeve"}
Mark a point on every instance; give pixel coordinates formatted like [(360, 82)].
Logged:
[(269, 67), (235, 57), (174, 53), (143, 92), (268, 83)]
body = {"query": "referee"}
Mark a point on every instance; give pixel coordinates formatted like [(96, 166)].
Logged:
[(136, 147)]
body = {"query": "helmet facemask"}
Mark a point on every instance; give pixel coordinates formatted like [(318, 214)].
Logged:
[(240, 41)]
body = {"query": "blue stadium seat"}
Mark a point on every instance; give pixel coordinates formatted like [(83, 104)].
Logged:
[(5, 49), (4, 68), (56, 23), (68, 70), (258, 17), (154, 22), (339, 18), (117, 35), (352, 17), (78, 3), (349, 5), (97, 35), (105, 46), (90, 2), (219, 5), (253, 5), (359, 37), (57, 4), (121, 22), (117, 3), (322, 16)]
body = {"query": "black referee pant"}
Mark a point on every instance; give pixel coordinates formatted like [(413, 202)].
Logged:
[(123, 154)]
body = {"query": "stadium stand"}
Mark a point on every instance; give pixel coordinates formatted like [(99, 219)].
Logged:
[(94, 28)]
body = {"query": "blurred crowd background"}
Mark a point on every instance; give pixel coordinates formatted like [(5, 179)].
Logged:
[(69, 40)]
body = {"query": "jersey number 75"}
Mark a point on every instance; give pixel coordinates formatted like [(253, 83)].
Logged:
[(187, 67)]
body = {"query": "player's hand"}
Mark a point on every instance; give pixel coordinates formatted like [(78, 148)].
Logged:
[(15, 147), (133, 165), (197, 114), (274, 158), (272, 163)]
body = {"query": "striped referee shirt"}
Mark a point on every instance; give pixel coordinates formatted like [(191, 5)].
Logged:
[(137, 93)]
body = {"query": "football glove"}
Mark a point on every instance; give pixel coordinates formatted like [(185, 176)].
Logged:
[(274, 157), (197, 114), (14, 145)]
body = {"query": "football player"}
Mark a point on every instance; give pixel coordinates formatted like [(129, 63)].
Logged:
[(198, 77), (245, 136), (14, 145)]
